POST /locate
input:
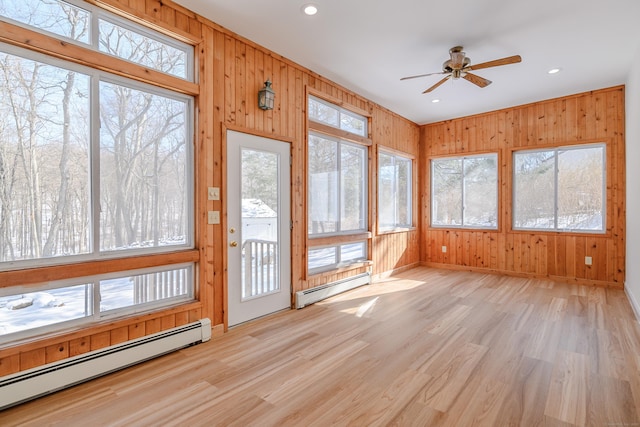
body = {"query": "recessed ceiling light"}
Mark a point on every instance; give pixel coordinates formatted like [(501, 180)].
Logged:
[(310, 9), (435, 101), (554, 70)]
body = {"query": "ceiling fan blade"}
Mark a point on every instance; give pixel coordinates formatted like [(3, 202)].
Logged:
[(437, 84), (476, 80), (421, 75), (503, 61)]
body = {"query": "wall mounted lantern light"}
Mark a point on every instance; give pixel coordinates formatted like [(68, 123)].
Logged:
[(266, 96)]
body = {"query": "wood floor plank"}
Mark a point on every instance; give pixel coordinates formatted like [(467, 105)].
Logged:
[(450, 376), (426, 347), (568, 391), (526, 395)]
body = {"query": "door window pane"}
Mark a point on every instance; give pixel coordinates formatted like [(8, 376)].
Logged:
[(260, 250)]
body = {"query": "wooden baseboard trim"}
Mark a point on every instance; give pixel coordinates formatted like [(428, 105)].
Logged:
[(635, 305), (217, 330), (389, 273), (561, 279)]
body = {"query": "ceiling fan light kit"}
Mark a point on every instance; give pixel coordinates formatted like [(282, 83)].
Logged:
[(459, 65)]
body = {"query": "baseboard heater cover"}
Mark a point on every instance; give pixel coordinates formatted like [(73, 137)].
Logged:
[(309, 296), (30, 384)]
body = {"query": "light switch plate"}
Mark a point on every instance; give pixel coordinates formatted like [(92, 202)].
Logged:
[(214, 217), (213, 193), (588, 260)]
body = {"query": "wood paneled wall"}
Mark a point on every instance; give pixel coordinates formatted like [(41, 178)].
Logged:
[(231, 71), (596, 116)]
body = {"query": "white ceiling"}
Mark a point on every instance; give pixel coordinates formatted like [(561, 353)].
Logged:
[(367, 45)]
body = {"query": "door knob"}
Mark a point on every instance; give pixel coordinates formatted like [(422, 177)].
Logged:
[(233, 243)]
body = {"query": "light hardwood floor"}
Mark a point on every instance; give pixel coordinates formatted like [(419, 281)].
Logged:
[(427, 347)]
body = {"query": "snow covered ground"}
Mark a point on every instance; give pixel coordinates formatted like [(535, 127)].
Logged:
[(60, 305)]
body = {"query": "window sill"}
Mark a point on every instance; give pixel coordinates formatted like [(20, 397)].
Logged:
[(33, 275), (458, 228), (337, 239), (585, 233), (396, 230), (339, 269)]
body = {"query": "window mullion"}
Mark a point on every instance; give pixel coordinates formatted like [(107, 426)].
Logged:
[(464, 201), (395, 191), (95, 293), (94, 31), (339, 186), (555, 191), (94, 163)]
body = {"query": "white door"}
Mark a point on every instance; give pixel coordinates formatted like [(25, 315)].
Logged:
[(258, 226)]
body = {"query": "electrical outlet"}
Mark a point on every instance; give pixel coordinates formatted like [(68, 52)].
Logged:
[(213, 193), (588, 260), (444, 249), (214, 217)]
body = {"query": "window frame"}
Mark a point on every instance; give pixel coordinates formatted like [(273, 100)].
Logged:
[(95, 78), (365, 188), (97, 315), (556, 149), (340, 111), (57, 50), (462, 182), (339, 261), (96, 14), (337, 240), (396, 227)]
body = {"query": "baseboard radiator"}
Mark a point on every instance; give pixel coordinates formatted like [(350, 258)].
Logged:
[(36, 382), (309, 296)]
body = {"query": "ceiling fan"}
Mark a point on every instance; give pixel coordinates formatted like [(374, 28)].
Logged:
[(459, 66)]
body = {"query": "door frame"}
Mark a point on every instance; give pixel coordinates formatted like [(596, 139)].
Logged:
[(224, 220)]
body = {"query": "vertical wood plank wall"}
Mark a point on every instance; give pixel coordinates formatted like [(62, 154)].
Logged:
[(231, 71), (596, 116)]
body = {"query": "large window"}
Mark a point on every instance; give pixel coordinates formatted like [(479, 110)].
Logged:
[(92, 166), (337, 185), (106, 33), (330, 257), (394, 191), (464, 192), (66, 195), (58, 305), (561, 189), (330, 114)]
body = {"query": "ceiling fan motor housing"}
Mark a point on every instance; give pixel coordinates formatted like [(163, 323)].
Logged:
[(459, 66)]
